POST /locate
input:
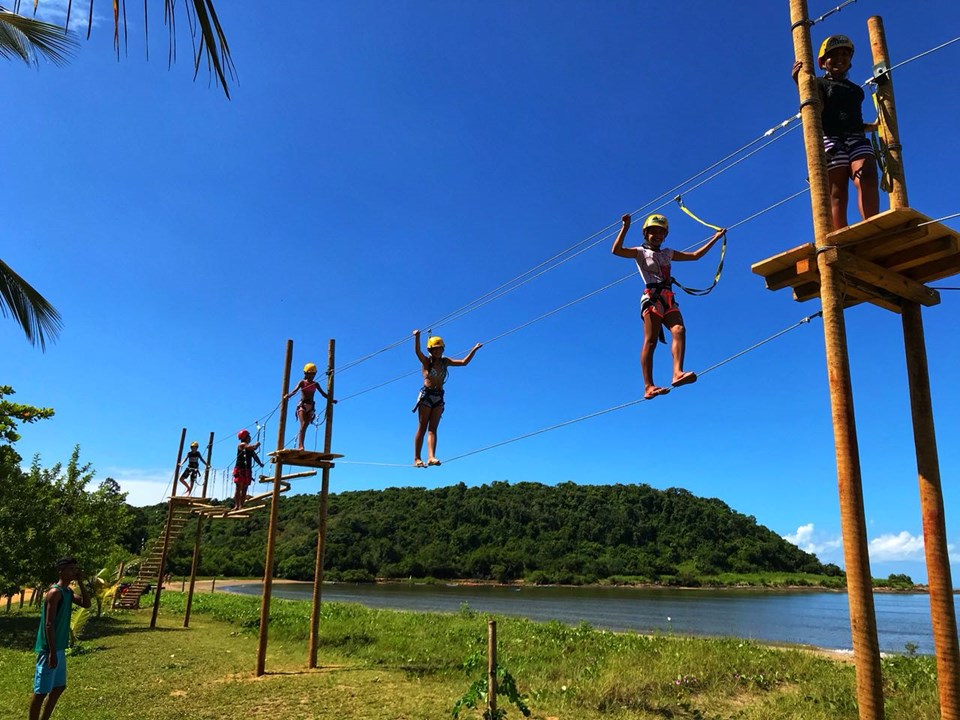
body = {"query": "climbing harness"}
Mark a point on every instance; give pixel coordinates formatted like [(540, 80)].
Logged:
[(881, 149), (723, 251)]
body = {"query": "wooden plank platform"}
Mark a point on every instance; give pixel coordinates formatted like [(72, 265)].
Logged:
[(305, 458), (884, 261)]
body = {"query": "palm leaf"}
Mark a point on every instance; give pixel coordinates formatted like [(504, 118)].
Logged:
[(25, 38), (31, 311)]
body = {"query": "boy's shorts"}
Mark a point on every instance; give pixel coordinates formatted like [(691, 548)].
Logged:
[(843, 150), (45, 678), (242, 477)]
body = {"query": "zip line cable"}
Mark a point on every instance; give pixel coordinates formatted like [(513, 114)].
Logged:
[(631, 403), (512, 284), (873, 80), (526, 324), (827, 14)]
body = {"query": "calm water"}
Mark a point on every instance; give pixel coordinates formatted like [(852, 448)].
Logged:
[(808, 617)]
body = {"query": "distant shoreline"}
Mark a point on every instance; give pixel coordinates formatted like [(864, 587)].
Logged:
[(915, 590)]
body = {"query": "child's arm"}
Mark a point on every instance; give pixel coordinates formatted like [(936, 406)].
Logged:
[(618, 249), (294, 391), (424, 360), (795, 73), (466, 360), (327, 397), (700, 251), (257, 457)]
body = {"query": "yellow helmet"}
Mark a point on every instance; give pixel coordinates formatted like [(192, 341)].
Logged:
[(832, 43), (309, 368), (656, 220), (435, 341), (194, 444)]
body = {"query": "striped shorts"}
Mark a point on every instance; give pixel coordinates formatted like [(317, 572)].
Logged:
[(844, 149)]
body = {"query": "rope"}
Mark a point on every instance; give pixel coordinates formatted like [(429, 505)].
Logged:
[(723, 253), (589, 242), (574, 302), (631, 403), (837, 9), (941, 219), (890, 69)]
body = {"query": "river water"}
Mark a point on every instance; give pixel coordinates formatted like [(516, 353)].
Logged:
[(798, 616)]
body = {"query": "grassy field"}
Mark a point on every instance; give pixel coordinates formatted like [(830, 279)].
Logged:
[(382, 664)]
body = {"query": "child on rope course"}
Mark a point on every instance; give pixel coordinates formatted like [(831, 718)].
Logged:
[(194, 458), (306, 408), (243, 470), (849, 152), (430, 402), (658, 306), (53, 636)]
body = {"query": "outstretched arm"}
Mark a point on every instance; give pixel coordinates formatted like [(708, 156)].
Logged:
[(424, 360), (294, 391), (618, 249), (700, 251), (465, 360)]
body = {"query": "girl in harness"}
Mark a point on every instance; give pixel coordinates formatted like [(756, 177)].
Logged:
[(243, 470), (430, 404), (659, 307), (194, 458), (306, 408), (849, 152)]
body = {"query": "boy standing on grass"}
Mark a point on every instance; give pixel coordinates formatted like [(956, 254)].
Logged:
[(53, 635)]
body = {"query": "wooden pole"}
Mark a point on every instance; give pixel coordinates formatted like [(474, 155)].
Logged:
[(274, 512), (863, 622), (322, 522), (942, 612), (196, 538), (166, 535), (492, 668)]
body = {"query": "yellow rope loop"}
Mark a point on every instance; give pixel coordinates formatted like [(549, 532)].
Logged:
[(683, 207)]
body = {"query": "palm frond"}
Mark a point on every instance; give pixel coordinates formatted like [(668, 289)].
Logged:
[(25, 38), (31, 311)]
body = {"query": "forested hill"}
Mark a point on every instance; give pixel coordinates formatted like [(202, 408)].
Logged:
[(564, 533)]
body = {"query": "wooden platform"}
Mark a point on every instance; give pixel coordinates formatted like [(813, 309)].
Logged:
[(305, 458), (884, 260)]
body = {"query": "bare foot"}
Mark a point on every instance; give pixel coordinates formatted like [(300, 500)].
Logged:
[(418, 463), (433, 461), (654, 390), (685, 378)]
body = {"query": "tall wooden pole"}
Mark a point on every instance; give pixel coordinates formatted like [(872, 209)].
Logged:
[(863, 623), (274, 512), (322, 522), (196, 537), (166, 535), (942, 612)]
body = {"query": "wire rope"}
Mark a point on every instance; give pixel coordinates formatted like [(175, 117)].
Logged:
[(558, 259), (873, 80), (631, 403), (573, 302), (827, 14)]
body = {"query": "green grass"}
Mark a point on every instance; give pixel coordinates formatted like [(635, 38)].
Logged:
[(390, 664)]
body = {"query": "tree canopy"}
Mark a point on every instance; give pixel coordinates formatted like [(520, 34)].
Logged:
[(566, 533)]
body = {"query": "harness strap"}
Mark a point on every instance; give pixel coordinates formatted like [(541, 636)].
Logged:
[(881, 150), (723, 252)]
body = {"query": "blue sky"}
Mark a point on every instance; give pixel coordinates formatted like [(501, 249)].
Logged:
[(383, 164)]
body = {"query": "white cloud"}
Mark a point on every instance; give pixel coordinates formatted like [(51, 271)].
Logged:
[(902, 546), (143, 487), (55, 12), (808, 539)]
